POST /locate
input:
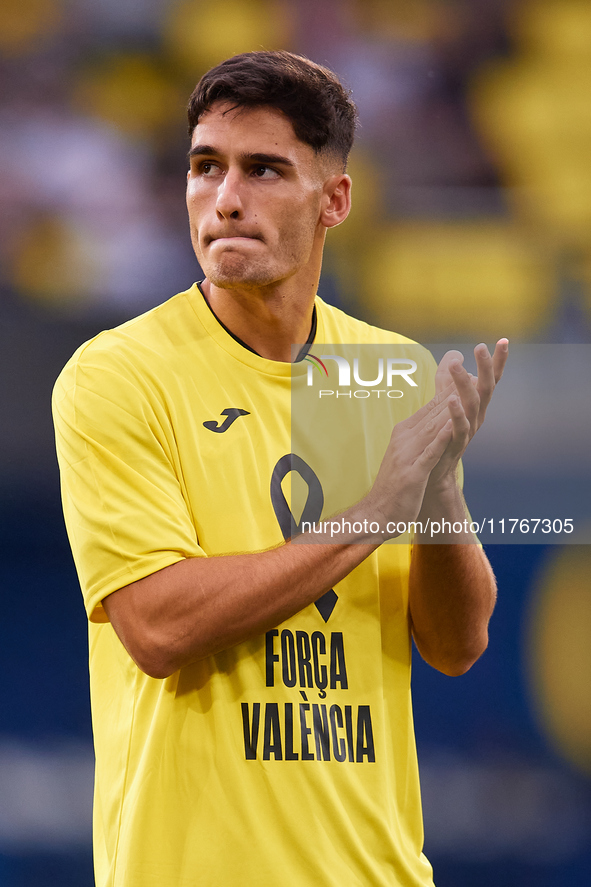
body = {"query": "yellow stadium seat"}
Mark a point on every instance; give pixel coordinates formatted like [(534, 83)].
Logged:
[(560, 653), (451, 281), (534, 115), (54, 263), (131, 92), (200, 34), (553, 28)]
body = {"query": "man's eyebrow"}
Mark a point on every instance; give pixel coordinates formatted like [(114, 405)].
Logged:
[(257, 157), (197, 150), (269, 158)]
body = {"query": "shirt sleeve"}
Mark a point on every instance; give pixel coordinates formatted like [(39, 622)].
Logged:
[(123, 502)]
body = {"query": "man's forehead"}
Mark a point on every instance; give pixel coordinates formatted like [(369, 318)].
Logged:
[(239, 118)]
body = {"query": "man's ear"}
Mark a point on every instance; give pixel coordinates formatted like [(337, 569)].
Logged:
[(336, 200)]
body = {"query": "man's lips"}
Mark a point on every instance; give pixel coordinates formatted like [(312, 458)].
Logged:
[(212, 238)]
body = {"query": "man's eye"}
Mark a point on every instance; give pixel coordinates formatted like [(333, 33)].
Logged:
[(265, 172), (209, 169)]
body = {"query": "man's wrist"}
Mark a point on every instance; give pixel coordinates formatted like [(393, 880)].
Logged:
[(444, 507), (443, 492)]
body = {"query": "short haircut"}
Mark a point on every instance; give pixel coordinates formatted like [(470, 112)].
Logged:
[(321, 110)]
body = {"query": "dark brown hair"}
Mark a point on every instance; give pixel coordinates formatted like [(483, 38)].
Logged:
[(320, 109)]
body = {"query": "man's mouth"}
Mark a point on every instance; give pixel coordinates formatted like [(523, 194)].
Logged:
[(211, 238)]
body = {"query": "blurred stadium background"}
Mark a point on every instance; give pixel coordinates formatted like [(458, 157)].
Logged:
[(471, 219)]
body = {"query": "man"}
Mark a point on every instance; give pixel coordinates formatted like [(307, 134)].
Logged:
[(244, 733)]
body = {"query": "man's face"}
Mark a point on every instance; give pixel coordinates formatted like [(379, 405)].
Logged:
[(254, 195)]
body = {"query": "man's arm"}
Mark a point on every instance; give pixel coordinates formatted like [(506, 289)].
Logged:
[(452, 588), (200, 606), (452, 593)]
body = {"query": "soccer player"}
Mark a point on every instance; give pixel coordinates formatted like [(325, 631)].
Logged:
[(251, 695)]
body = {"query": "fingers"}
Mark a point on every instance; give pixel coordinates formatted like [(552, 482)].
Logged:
[(442, 375), (492, 366), (499, 359), (468, 393), (451, 368), (474, 392), (490, 370), (485, 379), (430, 456), (440, 431), (484, 363), (457, 434), (461, 427), (500, 356), (419, 432), (431, 409)]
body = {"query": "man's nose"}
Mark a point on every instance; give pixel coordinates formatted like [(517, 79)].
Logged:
[(229, 203)]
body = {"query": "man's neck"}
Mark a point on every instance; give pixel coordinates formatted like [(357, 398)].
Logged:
[(269, 321)]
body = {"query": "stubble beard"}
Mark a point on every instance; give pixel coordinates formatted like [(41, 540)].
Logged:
[(233, 272)]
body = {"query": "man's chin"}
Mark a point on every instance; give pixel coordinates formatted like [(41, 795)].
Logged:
[(235, 275)]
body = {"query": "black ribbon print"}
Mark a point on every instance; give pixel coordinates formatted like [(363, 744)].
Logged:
[(311, 513)]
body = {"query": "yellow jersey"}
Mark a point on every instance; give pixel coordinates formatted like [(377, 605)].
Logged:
[(288, 759)]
